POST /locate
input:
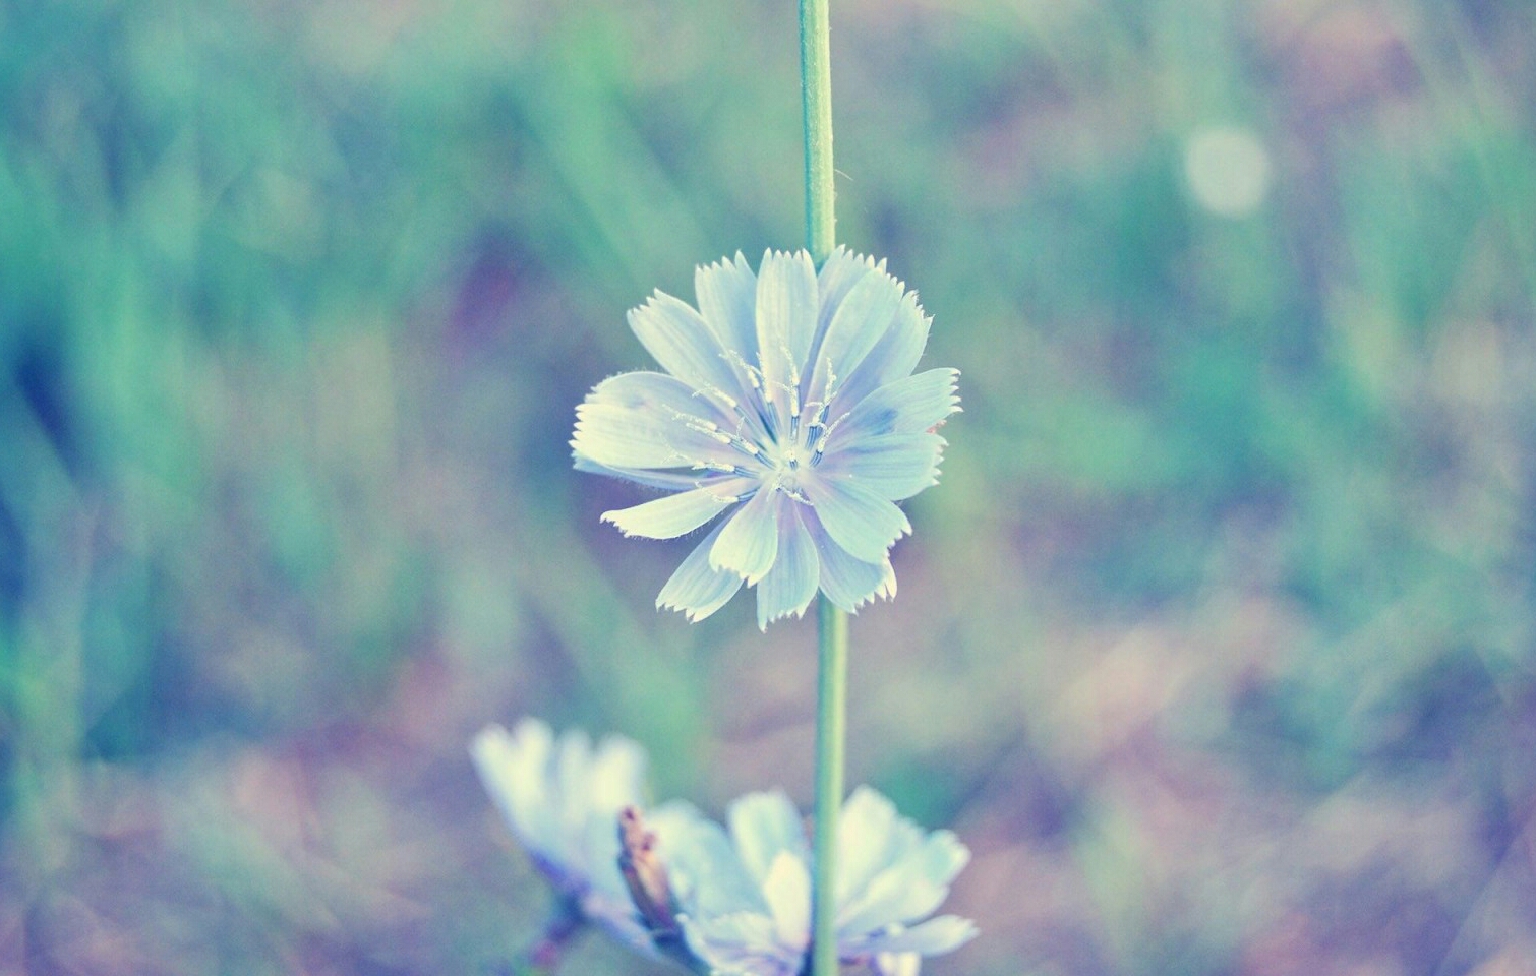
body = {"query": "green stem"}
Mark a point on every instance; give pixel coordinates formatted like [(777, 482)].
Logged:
[(831, 719), (832, 623), (816, 81)]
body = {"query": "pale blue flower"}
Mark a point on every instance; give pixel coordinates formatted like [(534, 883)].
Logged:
[(744, 898), (788, 400), (562, 798)]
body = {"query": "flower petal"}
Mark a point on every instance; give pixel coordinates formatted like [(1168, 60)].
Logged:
[(790, 586), (650, 420), (839, 272), (647, 391), (679, 514), (897, 964), (857, 518), (617, 437), (787, 889), (696, 588), (512, 768), (903, 345), (894, 466), (617, 773), (749, 542), (848, 582), (894, 356), (665, 480), (742, 944), (786, 315), (727, 292), (889, 899), (865, 830), (679, 339), (939, 857), (911, 888), (573, 754), (910, 405), (707, 877), (860, 321), (932, 938), (764, 825)]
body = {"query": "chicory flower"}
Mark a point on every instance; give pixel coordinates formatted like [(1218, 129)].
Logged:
[(788, 401), (561, 798), (743, 899)]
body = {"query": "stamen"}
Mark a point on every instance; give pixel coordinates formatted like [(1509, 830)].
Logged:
[(831, 388), (819, 411), (737, 441), (742, 444), (723, 499), (720, 395), (754, 375), (712, 430), (821, 442), (693, 423), (794, 367)]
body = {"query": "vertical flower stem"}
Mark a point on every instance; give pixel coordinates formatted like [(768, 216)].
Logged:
[(831, 717), (832, 623), (816, 81)]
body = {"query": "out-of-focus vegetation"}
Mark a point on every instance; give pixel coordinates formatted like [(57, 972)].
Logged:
[(1216, 645)]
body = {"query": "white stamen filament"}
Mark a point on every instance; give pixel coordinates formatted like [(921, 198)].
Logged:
[(826, 434), (721, 395), (754, 375), (794, 367)]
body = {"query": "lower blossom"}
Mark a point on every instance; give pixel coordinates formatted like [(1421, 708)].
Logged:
[(561, 798), (742, 894)]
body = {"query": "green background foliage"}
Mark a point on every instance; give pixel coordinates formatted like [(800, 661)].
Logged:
[(1215, 645)]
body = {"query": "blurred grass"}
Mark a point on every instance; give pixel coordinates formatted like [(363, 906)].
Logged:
[(1215, 645)]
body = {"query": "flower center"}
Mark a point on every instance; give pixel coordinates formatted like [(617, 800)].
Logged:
[(780, 441), (788, 460)]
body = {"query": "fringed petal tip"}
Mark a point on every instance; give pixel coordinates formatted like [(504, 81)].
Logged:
[(797, 612), (842, 253), (729, 263), (695, 589), (695, 612), (615, 518), (677, 514), (692, 614), (886, 591), (949, 379)]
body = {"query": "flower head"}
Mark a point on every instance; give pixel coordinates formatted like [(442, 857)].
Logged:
[(788, 400), (562, 800), (744, 898)]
